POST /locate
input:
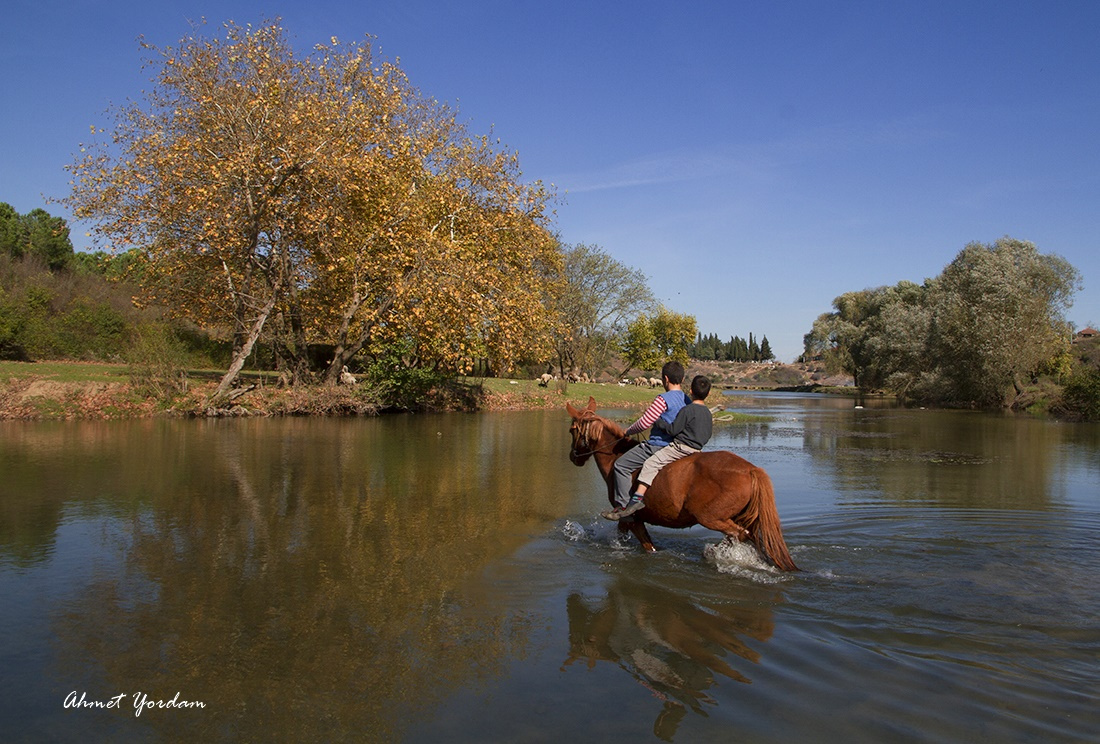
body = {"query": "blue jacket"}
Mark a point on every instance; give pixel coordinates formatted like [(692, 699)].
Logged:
[(675, 400)]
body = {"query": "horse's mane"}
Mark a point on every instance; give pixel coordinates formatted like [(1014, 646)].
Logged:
[(615, 429), (608, 426), (595, 427), (621, 441)]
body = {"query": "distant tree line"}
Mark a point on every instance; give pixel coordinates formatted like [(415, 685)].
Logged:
[(737, 349), (59, 304), (36, 234), (985, 332)]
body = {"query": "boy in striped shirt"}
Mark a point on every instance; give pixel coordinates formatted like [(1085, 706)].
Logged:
[(663, 408)]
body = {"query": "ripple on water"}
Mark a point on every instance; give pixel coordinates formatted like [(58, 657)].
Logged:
[(991, 612), (920, 622)]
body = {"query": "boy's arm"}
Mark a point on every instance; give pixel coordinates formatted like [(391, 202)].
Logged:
[(651, 414), (678, 423)]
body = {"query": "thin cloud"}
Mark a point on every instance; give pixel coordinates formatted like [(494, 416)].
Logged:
[(649, 170), (761, 161)]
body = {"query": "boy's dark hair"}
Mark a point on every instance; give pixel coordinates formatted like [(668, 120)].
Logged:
[(700, 387), (674, 371)]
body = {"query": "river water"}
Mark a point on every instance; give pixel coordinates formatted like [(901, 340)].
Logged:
[(447, 578)]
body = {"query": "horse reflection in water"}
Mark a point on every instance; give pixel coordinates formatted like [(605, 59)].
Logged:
[(670, 644), (717, 489)]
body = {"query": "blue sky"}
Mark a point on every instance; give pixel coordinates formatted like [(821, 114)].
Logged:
[(755, 160)]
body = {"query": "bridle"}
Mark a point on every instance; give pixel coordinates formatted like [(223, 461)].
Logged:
[(589, 427)]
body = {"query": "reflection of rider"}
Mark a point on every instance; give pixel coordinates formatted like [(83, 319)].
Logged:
[(664, 408)]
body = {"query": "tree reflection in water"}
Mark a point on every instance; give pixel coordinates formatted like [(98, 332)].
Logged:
[(299, 577)]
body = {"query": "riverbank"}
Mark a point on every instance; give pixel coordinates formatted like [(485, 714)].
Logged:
[(63, 390)]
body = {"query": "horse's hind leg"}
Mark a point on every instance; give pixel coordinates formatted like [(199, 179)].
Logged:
[(733, 531)]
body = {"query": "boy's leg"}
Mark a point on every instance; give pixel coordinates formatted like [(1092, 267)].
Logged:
[(654, 463), (623, 471), (659, 459)]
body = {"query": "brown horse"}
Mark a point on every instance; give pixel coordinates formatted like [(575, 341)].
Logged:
[(718, 489)]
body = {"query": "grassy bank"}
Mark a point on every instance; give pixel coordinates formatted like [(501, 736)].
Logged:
[(83, 390)]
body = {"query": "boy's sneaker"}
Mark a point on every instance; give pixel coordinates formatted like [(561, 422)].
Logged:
[(613, 514), (635, 504)]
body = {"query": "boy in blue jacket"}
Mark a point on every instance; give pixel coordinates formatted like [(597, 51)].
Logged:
[(663, 408)]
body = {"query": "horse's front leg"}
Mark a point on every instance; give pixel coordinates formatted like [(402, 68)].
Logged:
[(640, 532)]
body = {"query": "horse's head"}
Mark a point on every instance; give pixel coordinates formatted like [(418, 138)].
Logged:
[(585, 430)]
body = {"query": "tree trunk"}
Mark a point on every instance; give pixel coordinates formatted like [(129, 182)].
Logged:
[(241, 356), (345, 350)]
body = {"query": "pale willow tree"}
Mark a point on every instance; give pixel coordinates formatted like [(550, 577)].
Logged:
[(999, 313), (899, 337), (599, 298), (879, 336), (323, 191), (840, 337), (975, 334)]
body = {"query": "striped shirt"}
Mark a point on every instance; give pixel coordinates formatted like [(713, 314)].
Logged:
[(649, 417)]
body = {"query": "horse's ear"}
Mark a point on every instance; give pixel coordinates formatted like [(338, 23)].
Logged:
[(591, 404), (572, 411)]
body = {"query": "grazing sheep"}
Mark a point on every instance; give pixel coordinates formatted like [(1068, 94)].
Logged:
[(545, 379), (655, 382)]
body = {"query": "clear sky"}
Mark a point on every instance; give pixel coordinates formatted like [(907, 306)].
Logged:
[(753, 159)]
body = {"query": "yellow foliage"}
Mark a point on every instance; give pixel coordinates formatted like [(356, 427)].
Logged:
[(326, 188)]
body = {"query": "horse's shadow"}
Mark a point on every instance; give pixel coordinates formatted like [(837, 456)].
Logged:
[(671, 644)]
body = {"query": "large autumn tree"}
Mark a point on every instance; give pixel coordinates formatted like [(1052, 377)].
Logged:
[(317, 198)]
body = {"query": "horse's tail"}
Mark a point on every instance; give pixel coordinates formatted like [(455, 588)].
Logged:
[(767, 533)]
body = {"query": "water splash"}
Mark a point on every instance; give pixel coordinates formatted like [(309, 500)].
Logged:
[(573, 531), (598, 533), (743, 560)]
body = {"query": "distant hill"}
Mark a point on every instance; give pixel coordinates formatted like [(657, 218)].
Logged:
[(766, 375)]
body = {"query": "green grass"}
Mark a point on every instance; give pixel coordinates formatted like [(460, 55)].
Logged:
[(577, 393), (516, 393), (606, 396), (100, 372), (65, 371)]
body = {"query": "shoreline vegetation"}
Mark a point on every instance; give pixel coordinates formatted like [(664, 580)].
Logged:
[(69, 390), (370, 267)]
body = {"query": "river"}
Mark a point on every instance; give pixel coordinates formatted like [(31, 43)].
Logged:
[(447, 577)]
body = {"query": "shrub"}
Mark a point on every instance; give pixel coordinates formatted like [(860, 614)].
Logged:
[(399, 385), (12, 325), (1081, 395), (157, 360), (90, 330)]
